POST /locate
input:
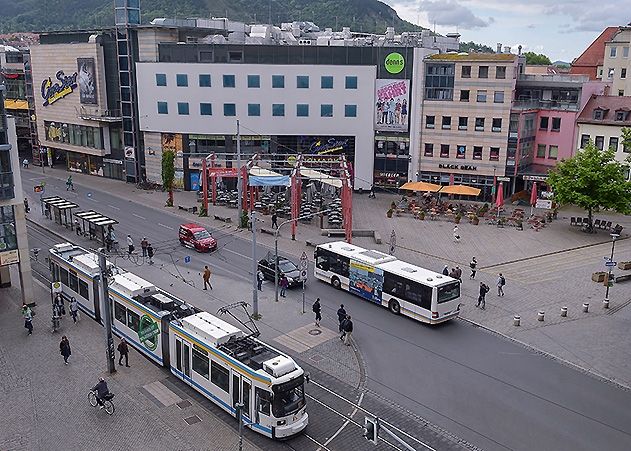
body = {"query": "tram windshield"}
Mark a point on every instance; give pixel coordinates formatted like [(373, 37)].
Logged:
[(289, 397)]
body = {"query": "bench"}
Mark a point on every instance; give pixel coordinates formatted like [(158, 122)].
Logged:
[(189, 209), (223, 218), (377, 236), (268, 231), (334, 232), (623, 278), (313, 243)]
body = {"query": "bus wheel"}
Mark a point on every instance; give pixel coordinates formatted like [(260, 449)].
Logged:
[(336, 283), (394, 307)]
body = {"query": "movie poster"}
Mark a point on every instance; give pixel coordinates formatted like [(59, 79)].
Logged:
[(87, 81), (393, 105)]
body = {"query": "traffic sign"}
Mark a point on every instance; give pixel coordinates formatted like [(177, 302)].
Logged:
[(610, 263), (187, 259), (304, 262), (303, 274)]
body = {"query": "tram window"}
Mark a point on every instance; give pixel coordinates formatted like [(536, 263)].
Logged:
[(265, 401), (56, 274), (120, 313), (220, 376), (200, 361), (63, 274), (74, 281), (133, 321), (83, 289)]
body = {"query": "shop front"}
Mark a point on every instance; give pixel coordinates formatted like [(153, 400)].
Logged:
[(392, 161)]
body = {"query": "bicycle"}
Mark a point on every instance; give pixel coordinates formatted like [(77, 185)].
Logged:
[(107, 401)]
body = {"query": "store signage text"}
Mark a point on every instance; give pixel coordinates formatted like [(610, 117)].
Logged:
[(332, 145), (462, 167), (51, 92), (394, 63)]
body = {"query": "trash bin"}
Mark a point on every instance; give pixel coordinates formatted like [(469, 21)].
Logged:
[(585, 307), (516, 320), (541, 315), (564, 311)]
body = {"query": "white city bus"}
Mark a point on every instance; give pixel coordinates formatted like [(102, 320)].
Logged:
[(403, 288)]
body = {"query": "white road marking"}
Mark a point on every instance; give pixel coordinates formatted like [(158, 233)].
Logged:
[(112, 206), (166, 226), (361, 397), (138, 216)]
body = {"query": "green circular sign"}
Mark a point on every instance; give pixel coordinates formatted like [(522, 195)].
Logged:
[(394, 63), (148, 332)]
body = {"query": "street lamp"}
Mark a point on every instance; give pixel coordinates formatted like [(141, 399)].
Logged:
[(614, 237)]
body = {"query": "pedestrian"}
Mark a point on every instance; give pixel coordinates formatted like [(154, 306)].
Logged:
[(452, 273), (123, 350), (77, 227), (206, 277), (482, 297), (274, 220), (259, 280), (130, 245), (284, 283), (348, 330), (25, 164), (456, 234), (58, 305), (317, 309), (501, 281), (64, 349), (473, 265), (446, 270), (143, 245), (27, 209), (27, 314), (150, 253), (74, 309), (341, 316), (458, 274), (69, 184), (371, 195)]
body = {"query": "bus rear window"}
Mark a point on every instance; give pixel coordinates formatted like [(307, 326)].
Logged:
[(448, 292)]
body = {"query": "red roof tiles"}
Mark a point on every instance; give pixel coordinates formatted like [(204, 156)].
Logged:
[(610, 105), (593, 56)]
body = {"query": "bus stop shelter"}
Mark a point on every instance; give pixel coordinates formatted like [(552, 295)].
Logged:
[(95, 224), (58, 209)]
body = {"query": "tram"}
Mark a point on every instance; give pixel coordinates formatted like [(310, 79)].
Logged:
[(215, 358)]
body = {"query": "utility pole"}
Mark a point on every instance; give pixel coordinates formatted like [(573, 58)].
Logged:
[(239, 187), (107, 314), (610, 265), (239, 409), (255, 290)]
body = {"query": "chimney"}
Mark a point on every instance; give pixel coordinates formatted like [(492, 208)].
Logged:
[(507, 49), (519, 49), (499, 47)]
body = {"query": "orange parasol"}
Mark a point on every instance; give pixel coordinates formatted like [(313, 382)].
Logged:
[(420, 186), (460, 189)]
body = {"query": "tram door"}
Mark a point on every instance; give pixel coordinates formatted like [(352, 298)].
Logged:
[(183, 357), (242, 393)]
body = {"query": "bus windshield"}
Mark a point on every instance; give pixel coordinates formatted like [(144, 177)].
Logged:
[(289, 397), (448, 292)]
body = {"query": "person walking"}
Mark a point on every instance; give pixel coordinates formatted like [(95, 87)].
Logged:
[(77, 227), (206, 277), (446, 270), (458, 274), (348, 330), (482, 297), (27, 209), (130, 245), (74, 309), (64, 349), (259, 280), (341, 316), (501, 281), (452, 273), (456, 234), (69, 184), (27, 314), (123, 350), (274, 220), (284, 283), (317, 309), (25, 163), (150, 253), (473, 265), (143, 245)]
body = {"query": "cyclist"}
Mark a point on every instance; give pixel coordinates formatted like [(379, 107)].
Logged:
[(101, 391)]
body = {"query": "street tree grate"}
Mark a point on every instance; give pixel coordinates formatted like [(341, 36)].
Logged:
[(315, 332), (184, 404), (192, 420)]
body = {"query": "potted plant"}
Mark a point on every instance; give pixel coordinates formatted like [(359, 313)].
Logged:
[(519, 224), (549, 217), (475, 220), (393, 205), (421, 215), (501, 222), (389, 212), (457, 218)]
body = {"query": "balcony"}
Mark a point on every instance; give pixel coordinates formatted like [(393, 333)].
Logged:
[(536, 104), (99, 115), (6, 186)]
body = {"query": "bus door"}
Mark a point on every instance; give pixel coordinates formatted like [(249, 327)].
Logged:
[(242, 393), (183, 358)]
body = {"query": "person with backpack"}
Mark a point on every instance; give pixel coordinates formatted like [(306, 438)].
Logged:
[(473, 265), (123, 350), (341, 316), (317, 309), (501, 281), (69, 184), (27, 314), (482, 297), (348, 330)]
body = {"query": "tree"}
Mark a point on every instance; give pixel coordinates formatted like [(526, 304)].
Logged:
[(592, 179), (472, 47), (168, 173), (626, 141), (538, 59)]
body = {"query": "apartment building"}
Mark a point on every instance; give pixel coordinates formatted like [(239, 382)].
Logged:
[(617, 62)]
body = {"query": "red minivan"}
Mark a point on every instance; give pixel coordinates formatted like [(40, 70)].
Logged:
[(197, 237)]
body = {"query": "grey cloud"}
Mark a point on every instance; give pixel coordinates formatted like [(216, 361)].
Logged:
[(451, 13)]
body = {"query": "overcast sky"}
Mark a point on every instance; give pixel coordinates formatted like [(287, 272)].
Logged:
[(561, 29)]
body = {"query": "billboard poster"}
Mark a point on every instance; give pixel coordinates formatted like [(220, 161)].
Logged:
[(87, 81), (393, 105), (365, 281)]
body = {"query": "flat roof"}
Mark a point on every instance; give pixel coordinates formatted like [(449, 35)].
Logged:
[(506, 57), (131, 285), (416, 273), (96, 218), (210, 329)]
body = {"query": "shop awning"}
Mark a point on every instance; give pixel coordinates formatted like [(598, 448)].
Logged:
[(420, 186), (321, 176), (264, 177), (463, 190)]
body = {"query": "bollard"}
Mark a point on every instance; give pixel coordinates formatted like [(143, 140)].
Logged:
[(606, 303), (540, 315), (516, 320), (585, 307), (564, 311)]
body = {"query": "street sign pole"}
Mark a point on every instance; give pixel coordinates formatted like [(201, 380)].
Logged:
[(304, 264), (107, 320)]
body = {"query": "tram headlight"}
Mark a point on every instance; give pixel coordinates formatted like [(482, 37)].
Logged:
[(281, 422)]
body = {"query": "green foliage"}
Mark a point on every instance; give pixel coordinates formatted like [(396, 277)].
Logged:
[(592, 179), (168, 174), (472, 47), (538, 59), (626, 141)]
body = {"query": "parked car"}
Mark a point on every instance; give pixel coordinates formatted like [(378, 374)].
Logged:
[(285, 266), (197, 237)]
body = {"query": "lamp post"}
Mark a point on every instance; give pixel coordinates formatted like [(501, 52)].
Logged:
[(614, 237)]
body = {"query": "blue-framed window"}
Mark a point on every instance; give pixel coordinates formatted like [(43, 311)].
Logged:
[(278, 109), (278, 81), (229, 81), (350, 110), (302, 110), (326, 110), (302, 81), (181, 80), (326, 82), (204, 80), (350, 82), (161, 79), (205, 109), (163, 108), (182, 108), (254, 109), (229, 109), (254, 81)]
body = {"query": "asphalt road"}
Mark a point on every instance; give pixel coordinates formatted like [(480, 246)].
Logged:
[(484, 389)]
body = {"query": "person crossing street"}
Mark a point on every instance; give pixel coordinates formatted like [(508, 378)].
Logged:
[(206, 277)]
